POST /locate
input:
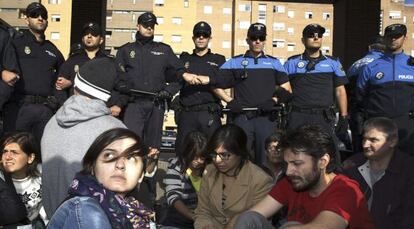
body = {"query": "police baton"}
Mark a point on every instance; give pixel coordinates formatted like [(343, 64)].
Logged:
[(275, 108), (135, 91)]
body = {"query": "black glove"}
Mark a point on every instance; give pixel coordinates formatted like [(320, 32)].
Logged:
[(163, 94), (267, 105), (235, 106), (342, 125), (282, 95)]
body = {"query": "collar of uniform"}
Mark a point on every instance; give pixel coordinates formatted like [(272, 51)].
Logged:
[(398, 55), (32, 36), (99, 53), (305, 56), (195, 54), (247, 54)]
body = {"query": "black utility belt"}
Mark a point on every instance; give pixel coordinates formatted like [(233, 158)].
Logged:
[(318, 110), (35, 99), (211, 107)]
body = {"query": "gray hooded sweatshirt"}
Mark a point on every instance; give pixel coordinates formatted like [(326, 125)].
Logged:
[(66, 138)]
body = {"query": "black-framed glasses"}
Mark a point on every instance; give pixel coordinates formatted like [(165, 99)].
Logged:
[(223, 156), (36, 14), (201, 34), (314, 35), (255, 38)]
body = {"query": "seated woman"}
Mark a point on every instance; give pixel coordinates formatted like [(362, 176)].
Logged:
[(275, 162), (113, 166), (183, 182), (232, 184), (20, 158)]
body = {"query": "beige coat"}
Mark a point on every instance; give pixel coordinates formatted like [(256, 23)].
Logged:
[(252, 184)]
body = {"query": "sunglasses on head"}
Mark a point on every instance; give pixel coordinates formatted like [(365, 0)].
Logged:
[(255, 38), (314, 35), (201, 34), (36, 14)]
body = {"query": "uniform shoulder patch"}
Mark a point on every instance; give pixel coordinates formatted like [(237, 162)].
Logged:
[(294, 56)]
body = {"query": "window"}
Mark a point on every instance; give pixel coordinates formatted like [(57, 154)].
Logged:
[(159, 2), (55, 35), (22, 13), (278, 9), (186, 4), (176, 20), (308, 15), (245, 7), (54, 1), (158, 37), (242, 43), (327, 33), (55, 17), (108, 34), (291, 31), (404, 19), (226, 44), (326, 16), (227, 11), (109, 15), (176, 38), (412, 52), (278, 26), (325, 50), (262, 13), (290, 47), (227, 27), (160, 20), (291, 14), (133, 35), (395, 14), (244, 24), (208, 9), (278, 43)]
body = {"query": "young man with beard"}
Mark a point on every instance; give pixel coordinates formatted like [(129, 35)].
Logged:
[(32, 103), (315, 195), (385, 88), (316, 80), (92, 40), (385, 175)]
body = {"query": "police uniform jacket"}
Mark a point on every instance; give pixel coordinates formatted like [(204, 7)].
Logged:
[(313, 80), (145, 66), (386, 86), (39, 64), (206, 65), (253, 79), (357, 67)]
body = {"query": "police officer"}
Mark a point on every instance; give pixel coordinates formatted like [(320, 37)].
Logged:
[(145, 65), (376, 49), (200, 106), (385, 87), (316, 80), (92, 39), (255, 78), (32, 103)]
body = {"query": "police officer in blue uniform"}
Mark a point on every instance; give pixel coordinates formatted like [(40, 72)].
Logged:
[(316, 80), (32, 103), (376, 49), (255, 77), (386, 87), (199, 104), (145, 65)]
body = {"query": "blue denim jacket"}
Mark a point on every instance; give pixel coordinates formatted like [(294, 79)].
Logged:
[(79, 213)]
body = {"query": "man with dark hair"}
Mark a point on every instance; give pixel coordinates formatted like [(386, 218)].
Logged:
[(385, 88), (376, 49), (385, 175), (32, 103), (315, 195)]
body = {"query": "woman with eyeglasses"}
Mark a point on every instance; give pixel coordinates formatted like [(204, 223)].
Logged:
[(275, 163), (231, 184), (183, 181), (98, 197)]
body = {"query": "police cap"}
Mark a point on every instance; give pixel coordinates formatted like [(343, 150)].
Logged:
[(202, 28), (311, 29), (147, 19), (92, 28), (395, 31), (35, 9), (256, 30)]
